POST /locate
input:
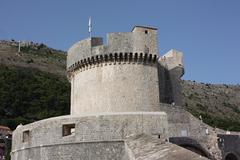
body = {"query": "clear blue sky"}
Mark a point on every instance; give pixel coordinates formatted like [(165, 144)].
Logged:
[(207, 31)]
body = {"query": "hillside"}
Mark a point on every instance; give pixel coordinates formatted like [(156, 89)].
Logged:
[(33, 86), (33, 55), (219, 105)]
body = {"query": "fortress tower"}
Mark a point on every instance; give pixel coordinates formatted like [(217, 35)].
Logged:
[(121, 76), (118, 91)]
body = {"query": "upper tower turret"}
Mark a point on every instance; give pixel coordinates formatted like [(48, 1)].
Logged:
[(121, 76), (148, 38), (142, 40)]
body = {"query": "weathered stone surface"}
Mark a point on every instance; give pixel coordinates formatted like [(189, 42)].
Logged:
[(143, 147), (182, 124), (82, 50), (115, 88), (116, 94), (140, 40), (170, 70), (102, 128), (73, 151), (124, 79), (172, 59)]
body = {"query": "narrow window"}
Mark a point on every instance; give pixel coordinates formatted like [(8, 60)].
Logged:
[(68, 129), (25, 136), (146, 31)]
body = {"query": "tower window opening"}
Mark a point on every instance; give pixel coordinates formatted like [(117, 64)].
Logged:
[(146, 31), (26, 136), (68, 129)]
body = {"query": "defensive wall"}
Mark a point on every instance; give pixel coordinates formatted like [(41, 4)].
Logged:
[(99, 135), (140, 40), (170, 70), (117, 90), (182, 125), (121, 76)]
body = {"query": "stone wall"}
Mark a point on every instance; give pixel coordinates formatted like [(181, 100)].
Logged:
[(84, 151), (145, 147), (170, 70), (119, 87), (140, 40), (82, 50), (230, 146), (99, 135), (182, 124)]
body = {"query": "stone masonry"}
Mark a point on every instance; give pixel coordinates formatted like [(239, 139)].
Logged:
[(125, 105)]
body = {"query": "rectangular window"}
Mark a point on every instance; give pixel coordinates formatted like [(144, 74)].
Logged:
[(184, 133), (26, 136), (68, 129)]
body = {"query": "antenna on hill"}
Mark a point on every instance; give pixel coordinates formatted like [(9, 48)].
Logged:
[(90, 26)]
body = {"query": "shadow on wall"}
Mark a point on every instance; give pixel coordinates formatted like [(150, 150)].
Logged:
[(230, 146), (231, 156), (169, 85), (190, 144)]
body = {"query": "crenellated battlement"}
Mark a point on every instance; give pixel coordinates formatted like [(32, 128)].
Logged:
[(113, 58), (139, 45), (121, 76)]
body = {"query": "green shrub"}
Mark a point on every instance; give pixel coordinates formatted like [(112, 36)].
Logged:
[(28, 95)]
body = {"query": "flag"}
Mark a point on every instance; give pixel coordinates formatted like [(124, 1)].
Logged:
[(90, 25)]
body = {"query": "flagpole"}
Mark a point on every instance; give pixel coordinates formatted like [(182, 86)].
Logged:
[(90, 32), (90, 27)]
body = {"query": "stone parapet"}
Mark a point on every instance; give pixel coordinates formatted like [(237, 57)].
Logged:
[(113, 58), (141, 41), (66, 130)]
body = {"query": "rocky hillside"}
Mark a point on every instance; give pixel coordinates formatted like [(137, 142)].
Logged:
[(33, 86), (218, 104), (32, 55)]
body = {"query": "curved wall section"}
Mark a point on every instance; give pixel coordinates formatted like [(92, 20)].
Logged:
[(98, 136), (115, 87)]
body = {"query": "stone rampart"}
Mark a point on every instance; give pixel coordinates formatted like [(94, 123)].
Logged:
[(52, 137)]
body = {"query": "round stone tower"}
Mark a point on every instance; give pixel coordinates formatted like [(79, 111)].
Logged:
[(121, 76), (114, 94)]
